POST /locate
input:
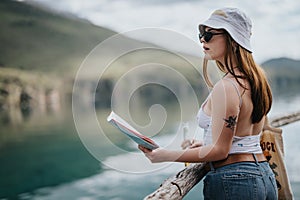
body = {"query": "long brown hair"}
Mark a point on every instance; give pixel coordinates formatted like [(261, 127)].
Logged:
[(261, 94)]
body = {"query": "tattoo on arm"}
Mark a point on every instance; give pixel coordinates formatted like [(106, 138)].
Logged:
[(230, 122)]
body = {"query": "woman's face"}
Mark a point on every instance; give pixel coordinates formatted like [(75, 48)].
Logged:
[(215, 48)]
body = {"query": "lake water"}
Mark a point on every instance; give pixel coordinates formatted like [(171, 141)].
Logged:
[(45, 159)]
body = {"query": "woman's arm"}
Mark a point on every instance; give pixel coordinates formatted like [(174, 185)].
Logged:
[(225, 110), (225, 102)]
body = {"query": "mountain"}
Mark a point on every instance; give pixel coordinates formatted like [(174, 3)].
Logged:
[(283, 71), (282, 63), (35, 39)]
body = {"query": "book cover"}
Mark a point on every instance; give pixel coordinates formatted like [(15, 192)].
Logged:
[(131, 132)]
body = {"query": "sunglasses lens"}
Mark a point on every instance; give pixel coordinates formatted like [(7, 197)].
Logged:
[(207, 36)]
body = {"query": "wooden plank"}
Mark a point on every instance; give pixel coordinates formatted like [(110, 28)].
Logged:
[(285, 119)]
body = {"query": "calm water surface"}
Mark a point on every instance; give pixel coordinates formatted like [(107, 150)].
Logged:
[(44, 158)]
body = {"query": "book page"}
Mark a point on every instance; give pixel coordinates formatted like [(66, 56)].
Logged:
[(131, 132)]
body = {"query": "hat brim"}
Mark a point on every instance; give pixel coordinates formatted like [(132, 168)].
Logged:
[(239, 38)]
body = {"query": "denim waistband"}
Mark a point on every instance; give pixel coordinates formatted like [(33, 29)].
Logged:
[(256, 162)]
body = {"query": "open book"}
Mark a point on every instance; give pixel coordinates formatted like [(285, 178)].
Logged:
[(132, 133)]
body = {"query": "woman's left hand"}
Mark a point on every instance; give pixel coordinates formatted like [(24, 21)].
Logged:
[(156, 155)]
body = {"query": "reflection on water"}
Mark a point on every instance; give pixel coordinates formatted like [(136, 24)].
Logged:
[(40, 156), (44, 158)]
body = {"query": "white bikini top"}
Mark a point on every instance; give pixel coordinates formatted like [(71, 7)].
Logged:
[(246, 144)]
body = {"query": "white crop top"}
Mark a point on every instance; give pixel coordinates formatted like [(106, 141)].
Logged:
[(246, 144)]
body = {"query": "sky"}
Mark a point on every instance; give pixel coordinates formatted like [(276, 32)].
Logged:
[(276, 24)]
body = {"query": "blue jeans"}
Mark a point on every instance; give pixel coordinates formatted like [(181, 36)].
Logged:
[(244, 180)]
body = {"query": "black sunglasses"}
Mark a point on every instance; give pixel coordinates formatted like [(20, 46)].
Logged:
[(208, 35)]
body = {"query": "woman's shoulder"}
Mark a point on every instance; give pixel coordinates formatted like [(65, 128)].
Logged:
[(227, 90), (225, 85)]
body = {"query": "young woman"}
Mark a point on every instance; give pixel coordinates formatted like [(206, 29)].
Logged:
[(232, 116)]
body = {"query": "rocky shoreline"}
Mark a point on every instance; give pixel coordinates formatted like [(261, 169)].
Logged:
[(22, 91)]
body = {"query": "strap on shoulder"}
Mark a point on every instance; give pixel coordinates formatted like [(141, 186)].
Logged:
[(237, 90)]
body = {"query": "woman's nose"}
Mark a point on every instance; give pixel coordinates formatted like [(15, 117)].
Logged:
[(202, 40)]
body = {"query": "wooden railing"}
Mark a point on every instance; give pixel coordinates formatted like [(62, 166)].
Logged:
[(176, 187)]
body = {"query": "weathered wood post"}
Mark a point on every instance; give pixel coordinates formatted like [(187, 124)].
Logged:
[(285, 119), (178, 186)]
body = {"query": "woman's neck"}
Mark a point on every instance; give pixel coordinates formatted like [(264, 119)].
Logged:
[(231, 62)]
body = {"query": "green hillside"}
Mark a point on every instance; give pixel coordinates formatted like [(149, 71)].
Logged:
[(35, 39)]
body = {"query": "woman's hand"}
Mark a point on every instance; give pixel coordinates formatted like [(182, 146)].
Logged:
[(191, 144), (186, 144), (157, 155), (196, 143)]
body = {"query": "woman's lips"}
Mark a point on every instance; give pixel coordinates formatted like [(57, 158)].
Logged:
[(205, 48)]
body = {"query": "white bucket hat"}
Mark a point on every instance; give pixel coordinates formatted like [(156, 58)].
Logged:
[(234, 21)]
